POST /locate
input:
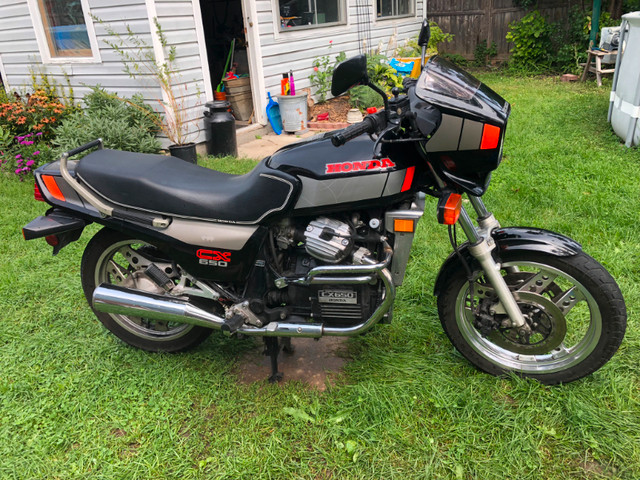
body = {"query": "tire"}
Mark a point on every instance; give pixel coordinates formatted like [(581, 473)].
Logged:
[(573, 306), (112, 257)]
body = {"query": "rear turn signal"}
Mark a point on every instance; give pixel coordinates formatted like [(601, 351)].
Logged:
[(449, 208), (52, 186)]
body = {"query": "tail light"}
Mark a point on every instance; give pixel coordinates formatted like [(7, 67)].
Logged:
[(52, 240), (37, 194)]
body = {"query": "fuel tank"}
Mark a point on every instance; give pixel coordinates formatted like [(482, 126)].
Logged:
[(350, 176)]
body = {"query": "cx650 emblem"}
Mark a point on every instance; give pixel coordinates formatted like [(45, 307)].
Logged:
[(214, 258)]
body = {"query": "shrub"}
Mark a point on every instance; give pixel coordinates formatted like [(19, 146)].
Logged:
[(531, 37), (363, 97), (33, 113), (123, 124), (483, 54), (27, 153), (323, 73), (412, 49)]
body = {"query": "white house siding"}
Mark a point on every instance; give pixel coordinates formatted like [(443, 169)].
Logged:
[(176, 17), (19, 52), (296, 49)]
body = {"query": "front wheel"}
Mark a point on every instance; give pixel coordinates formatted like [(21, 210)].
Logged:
[(574, 310)]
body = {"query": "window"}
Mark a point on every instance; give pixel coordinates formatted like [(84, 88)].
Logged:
[(394, 8), (307, 13), (65, 28)]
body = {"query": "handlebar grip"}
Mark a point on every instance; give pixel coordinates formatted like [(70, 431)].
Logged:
[(353, 131), (86, 146)]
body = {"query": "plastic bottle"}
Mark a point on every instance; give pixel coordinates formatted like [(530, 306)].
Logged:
[(284, 84), (292, 86)]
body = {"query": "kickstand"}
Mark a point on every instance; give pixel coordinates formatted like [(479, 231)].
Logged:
[(272, 348)]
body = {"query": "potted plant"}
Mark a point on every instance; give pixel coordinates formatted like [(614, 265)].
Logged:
[(141, 62)]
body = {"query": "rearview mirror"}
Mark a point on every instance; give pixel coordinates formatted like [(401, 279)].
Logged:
[(425, 33), (349, 73)]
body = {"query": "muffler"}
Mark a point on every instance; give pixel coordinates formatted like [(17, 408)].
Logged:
[(110, 298), (118, 300)]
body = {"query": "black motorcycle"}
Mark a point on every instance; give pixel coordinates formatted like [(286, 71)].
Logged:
[(316, 239)]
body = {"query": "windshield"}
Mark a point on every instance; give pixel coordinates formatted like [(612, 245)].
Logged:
[(444, 78)]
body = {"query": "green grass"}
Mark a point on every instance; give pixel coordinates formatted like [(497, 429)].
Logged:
[(77, 403)]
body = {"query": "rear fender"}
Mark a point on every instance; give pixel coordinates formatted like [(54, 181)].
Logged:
[(66, 228), (512, 239)]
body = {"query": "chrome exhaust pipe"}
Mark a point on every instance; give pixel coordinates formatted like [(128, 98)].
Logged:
[(125, 301), (119, 300)]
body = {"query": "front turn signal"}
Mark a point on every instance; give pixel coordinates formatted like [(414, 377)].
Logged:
[(449, 207)]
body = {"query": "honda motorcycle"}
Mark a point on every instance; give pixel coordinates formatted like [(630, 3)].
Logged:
[(316, 239)]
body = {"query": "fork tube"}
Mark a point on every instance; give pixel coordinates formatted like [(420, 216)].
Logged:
[(478, 206), (480, 248)]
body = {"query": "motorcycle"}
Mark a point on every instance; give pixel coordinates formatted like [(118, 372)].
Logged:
[(315, 240)]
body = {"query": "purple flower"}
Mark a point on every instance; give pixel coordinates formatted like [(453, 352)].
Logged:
[(19, 138), (37, 152), (19, 161), (18, 156), (38, 134), (17, 171), (27, 143), (30, 162), (29, 135)]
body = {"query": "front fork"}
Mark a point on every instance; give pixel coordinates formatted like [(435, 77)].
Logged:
[(481, 245)]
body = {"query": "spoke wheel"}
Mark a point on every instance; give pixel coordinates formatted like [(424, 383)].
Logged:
[(573, 308), (112, 258)]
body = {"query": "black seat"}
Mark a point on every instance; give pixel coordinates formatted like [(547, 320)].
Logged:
[(170, 186)]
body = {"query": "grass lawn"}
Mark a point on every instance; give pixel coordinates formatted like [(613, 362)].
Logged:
[(75, 402)]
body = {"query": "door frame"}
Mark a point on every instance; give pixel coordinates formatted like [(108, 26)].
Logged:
[(254, 54)]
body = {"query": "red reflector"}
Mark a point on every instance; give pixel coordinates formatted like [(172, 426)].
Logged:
[(37, 194), (408, 178), (52, 240), (452, 209), (490, 137), (52, 186)]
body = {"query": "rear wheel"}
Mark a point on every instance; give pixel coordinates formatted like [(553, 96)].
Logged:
[(574, 310), (114, 258)]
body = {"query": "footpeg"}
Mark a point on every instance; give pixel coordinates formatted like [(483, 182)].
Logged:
[(231, 325), (159, 277)]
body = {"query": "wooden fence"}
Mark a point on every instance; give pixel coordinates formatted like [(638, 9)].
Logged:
[(472, 21)]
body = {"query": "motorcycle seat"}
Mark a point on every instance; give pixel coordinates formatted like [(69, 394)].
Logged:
[(170, 186)]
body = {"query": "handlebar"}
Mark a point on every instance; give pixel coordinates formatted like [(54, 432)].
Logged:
[(370, 124)]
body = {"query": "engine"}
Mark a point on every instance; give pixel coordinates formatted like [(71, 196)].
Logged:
[(328, 241)]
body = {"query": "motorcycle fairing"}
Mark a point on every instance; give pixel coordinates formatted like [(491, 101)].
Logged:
[(468, 107), (515, 238), (169, 186)]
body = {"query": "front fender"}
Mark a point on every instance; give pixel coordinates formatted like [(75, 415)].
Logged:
[(511, 239)]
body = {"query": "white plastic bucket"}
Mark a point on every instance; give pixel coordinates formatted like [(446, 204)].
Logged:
[(293, 111)]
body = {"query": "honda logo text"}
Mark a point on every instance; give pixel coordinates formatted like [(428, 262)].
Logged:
[(346, 167)]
